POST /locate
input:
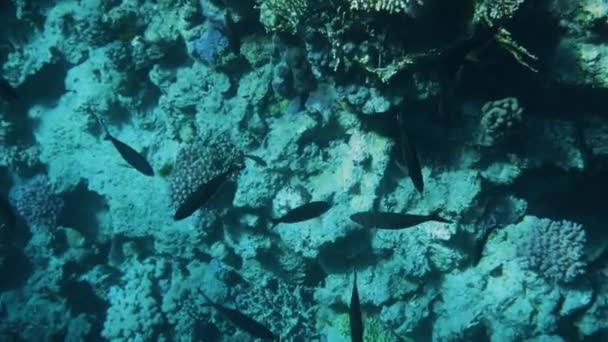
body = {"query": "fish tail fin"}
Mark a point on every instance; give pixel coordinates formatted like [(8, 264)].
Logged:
[(274, 224), (208, 301), (104, 127), (438, 218)]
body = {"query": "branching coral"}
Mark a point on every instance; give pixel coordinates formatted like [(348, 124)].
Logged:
[(375, 329), (554, 249), (494, 10), (285, 309), (498, 120), (391, 6), (282, 15)]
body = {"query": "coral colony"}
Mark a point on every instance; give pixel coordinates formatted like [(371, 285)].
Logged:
[(299, 170)]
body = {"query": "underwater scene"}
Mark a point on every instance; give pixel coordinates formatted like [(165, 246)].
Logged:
[(304, 170)]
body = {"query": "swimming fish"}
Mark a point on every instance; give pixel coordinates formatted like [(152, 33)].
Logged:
[(410, 156), (6, 90), (304, 212), (257, 160), (8, 219), (354, 314), (481, 244), (132, 157), (386, 220), (204, 192), (245, 323)]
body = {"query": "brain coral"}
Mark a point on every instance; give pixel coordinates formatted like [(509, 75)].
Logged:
[(554, 249)]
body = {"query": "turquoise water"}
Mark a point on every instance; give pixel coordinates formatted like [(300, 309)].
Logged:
[(221, 170)]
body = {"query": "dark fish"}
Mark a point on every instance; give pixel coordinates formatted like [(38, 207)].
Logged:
[(8, 220), (410, 156), (480, 246), (205, 191), (7, 91), (257, 160), (304, 212), (242, 321), (132, 157), (385, 220), (354, 314)]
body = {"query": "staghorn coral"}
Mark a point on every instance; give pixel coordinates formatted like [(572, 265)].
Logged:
[(554, 249)]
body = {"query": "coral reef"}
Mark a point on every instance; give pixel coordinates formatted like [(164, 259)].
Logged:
[(503, 101)]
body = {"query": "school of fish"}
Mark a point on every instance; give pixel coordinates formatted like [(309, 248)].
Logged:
[(373, 219)]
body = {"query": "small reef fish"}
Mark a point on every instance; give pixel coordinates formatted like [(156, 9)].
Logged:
[(386, 220), (132, 157), (259, 161), (205, 191), (245, 323), (410, 155), (304, 212), (7, 91), (354, 314)]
